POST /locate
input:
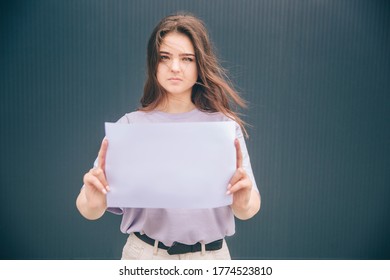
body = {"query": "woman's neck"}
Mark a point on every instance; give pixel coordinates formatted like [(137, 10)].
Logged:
[(177, 106)]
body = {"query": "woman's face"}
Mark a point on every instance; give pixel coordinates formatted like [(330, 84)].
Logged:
[(177, 70)]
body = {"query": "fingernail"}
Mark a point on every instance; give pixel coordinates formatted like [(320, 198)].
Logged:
[(104, 191), (228, 192), (108, 188), (229, 186)]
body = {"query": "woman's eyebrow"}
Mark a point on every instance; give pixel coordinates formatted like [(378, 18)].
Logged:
[(181, 54)]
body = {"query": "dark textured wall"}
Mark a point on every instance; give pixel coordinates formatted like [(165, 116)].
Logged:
[(316, 74)]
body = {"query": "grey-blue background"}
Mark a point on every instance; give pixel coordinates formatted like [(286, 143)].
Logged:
[(316, 74)]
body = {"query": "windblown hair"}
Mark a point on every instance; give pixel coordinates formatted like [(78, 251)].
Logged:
[(213, 91)]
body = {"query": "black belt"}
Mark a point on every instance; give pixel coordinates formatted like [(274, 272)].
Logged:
[(180, 248)]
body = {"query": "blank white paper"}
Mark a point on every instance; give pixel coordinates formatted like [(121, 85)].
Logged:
[(170, 165)]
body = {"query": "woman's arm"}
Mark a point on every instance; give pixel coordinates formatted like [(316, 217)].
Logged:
[(246, 199), (92, 202)]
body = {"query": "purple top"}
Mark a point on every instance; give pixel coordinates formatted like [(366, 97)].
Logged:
[(182, 225)]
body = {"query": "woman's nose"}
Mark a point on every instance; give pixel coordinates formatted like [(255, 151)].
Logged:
[(175, 67)]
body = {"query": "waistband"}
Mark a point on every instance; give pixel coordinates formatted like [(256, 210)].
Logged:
[(180, 248)]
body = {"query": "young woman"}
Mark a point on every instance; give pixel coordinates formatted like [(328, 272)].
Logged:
[(185, 84)]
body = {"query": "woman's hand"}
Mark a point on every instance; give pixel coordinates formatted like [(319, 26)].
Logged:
[(246, 200), (91, 201), (95, 182)]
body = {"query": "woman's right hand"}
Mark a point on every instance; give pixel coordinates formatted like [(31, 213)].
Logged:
[(95, 183)]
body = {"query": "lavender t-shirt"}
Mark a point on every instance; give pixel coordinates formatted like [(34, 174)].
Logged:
[(186, 226)]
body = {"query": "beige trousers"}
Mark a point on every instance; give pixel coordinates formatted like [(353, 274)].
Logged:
[(136, 249)]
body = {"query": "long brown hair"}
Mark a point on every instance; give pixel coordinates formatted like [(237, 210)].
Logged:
[(213, 91)]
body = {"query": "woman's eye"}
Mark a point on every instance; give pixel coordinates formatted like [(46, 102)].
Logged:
[(164, 58), (187, 59)]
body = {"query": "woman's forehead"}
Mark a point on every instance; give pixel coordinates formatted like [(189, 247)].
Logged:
[(176, 43)]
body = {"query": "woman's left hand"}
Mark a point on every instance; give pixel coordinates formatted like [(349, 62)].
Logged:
[(240, 185)]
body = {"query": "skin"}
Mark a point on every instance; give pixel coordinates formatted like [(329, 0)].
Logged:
[(246, 200), (92, 202), (177, 74)]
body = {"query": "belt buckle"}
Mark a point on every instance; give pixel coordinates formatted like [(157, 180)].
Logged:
[(176, 249)]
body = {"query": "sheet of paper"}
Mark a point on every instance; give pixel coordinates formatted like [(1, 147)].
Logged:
[(170, 165)]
